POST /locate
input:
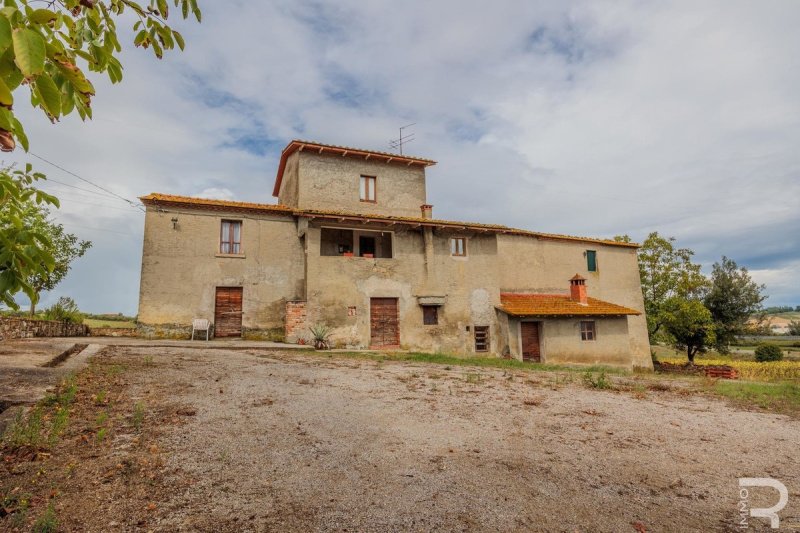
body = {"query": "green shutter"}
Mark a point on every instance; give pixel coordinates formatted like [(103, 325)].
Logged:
[(591, 260)]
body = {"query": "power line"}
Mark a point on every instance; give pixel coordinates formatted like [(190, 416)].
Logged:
[(133, 204), (98, 193)]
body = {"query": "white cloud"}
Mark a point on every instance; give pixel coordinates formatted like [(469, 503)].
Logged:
[(218, 193), (585, 118)]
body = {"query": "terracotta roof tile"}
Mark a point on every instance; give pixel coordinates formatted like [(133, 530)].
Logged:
[(558, 305), (156, 199)]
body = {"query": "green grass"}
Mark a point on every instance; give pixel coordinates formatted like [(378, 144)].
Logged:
[(41, 427), (47, 522), (780, 397), (95, 323), (454, 360)]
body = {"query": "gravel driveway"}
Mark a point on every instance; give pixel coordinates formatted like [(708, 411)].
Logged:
[(292, 442)]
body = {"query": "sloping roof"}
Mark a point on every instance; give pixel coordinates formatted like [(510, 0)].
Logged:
[(158, 199), (558, 305), (343, 151)]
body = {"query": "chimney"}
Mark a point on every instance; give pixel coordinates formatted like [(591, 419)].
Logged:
[(427, 211), (577, 289)]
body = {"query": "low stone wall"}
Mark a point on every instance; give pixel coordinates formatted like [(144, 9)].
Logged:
[(167, 331), (113, 332), (25, 328)]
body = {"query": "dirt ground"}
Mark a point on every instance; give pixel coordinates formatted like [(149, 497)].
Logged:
[(261, 440)]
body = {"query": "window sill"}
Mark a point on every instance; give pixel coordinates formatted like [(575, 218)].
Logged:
[(232, 256)]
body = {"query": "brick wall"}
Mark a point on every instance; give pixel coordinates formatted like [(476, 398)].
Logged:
[(296, 325), (23, 328)]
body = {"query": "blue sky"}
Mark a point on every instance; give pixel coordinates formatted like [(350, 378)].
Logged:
[(586, 118)]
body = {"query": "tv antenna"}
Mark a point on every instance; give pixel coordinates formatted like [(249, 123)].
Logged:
[(397, 144)]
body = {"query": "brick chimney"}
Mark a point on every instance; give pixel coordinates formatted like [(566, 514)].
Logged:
[(577, 289), (427, 211)]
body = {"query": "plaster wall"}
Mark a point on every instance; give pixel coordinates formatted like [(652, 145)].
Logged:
[(182, 267)]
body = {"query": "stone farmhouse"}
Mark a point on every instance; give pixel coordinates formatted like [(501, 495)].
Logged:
[(352, 245)]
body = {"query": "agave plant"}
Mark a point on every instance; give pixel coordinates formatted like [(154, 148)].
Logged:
[(320, 334)]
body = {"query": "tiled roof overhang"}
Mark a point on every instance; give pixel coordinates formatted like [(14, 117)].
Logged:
[(344, 151), (188, 202), (558, 305)]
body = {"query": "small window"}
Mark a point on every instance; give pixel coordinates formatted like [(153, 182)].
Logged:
[(588, 332), (481, 338), (458, 246), (430, 315), (367, 190), (230, 237), (591, 260)]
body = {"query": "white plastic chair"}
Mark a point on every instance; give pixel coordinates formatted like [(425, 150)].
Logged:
[(200, 324)]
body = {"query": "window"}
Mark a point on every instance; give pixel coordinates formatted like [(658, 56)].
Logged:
[(588, 332), (458, 246), (230, 237), (481, 338), (367, 189), (591, 260), (430, 315)]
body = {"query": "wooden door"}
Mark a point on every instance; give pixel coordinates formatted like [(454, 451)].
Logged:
[(228, 312), (530, 342), (384, 322)]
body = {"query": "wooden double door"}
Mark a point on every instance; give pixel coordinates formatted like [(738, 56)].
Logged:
[(384, 322), (531, 345), (228, 312)]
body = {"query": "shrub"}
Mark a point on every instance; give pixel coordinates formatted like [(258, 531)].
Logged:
[(320, 334), (768, 352), (64, 310)]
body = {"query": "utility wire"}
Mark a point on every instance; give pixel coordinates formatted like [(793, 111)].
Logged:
[(98, 193), (133, 204)]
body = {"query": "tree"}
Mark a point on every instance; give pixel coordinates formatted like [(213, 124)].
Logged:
[(45, 50), (42, 49), (666, 272), (732, 298), (794, 327), (689, 324), (24, 252), (65, 248)]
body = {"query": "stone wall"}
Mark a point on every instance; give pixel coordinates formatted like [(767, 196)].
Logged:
[(113, 332), (24, 328)]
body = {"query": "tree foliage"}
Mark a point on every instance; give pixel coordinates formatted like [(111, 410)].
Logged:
[(732, 298), (46, 49), (689, 324), (24, 251), (64, 247), (46, 46), (666, 272)]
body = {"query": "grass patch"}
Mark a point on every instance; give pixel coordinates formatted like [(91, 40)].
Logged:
[(41, 427), (781, 397), (597, 380), (47, 522), (453, 360), (138, 416)]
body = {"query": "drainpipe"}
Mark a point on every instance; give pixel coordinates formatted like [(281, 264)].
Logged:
[(427, 233)]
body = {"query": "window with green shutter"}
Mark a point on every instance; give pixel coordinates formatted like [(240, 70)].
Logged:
[(591, 260)]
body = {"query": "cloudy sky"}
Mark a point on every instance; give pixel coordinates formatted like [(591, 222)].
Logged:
[(572, 117)]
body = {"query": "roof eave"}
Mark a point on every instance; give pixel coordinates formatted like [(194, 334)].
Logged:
[(296, 144)]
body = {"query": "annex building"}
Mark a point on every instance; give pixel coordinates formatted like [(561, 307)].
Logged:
[(352, 245)]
